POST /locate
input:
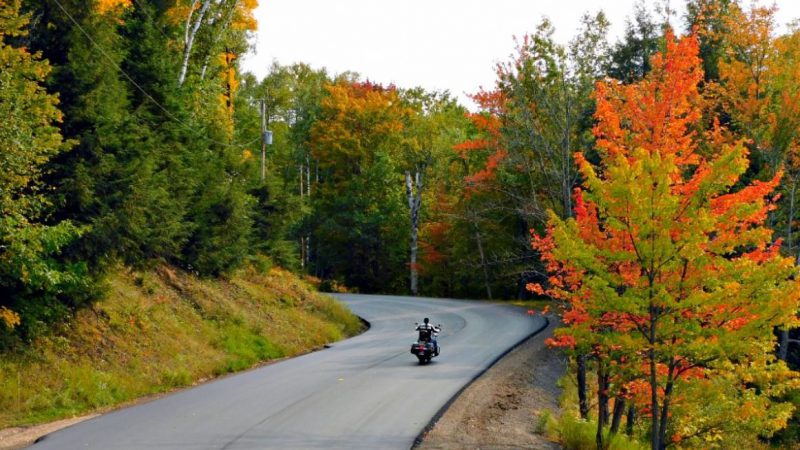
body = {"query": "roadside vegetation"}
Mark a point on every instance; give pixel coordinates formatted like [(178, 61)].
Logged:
[(157, 330), (647, 188), (671, 285)]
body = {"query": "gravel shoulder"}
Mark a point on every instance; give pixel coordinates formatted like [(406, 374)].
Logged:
[(21, 437), (499, 410)]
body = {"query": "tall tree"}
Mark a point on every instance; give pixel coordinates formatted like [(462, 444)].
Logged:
[(356, 141), (630, 57), (710, 19), (758, 89), (210, 23), (432, 129), (34, 280), (667, 261)]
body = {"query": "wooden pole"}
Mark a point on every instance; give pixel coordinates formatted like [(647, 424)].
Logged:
[(263, 141)]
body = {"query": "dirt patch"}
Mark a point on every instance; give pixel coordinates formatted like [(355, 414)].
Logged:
[(21, 437), (500, 409)]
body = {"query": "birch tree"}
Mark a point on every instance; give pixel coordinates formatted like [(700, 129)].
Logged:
[(431, 131)]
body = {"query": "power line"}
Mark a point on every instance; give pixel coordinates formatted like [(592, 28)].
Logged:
[(142, 90)]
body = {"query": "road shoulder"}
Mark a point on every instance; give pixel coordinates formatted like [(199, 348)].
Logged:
[(500, 409)]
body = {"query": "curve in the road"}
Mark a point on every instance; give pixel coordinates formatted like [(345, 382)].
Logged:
[(367, 392)]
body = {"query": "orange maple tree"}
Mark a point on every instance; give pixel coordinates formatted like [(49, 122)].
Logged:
[(667, 273)]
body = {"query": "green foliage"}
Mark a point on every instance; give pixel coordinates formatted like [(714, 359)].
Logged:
[(221, 238), (244, 348), (630, 57), (33, 274), (668, 275), (359, 200), (709, 17), (576, 434)]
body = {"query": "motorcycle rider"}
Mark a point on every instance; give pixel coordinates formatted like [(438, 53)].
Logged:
[(428, 332)]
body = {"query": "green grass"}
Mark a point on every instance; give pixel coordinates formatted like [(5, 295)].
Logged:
[(535, 304), (163, 329), (575, 434)]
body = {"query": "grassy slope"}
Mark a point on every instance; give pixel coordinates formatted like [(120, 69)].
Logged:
[(164, 329)]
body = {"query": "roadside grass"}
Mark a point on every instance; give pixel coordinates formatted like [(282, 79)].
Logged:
[(538, 304), (574, 433), (164, 329)]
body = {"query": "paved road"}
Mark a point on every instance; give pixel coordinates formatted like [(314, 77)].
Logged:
[(367, 392)]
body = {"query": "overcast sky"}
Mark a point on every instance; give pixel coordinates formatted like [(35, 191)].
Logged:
[(436, 44)]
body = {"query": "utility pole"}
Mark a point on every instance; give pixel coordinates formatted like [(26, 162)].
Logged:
[(264, 140)]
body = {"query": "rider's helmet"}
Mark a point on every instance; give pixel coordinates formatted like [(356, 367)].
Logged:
[(425, 320)]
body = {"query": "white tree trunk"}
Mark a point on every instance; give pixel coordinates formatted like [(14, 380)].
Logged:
[(191, 31), (414, 204), (479, 241), (217, 36), (792, 213)]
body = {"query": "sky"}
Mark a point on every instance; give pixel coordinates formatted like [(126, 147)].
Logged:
[(436, 44)]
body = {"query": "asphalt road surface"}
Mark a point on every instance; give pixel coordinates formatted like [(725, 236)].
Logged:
[(367, 392)]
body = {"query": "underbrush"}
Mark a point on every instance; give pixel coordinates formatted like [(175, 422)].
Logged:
[(576, 434), (163, 329)]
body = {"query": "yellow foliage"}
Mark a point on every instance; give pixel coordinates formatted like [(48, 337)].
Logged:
[(111, 6), (245, 21), (230, 82), (8, 317), (242, 19)]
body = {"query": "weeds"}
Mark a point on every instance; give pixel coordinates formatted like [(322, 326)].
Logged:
[(576, 434)]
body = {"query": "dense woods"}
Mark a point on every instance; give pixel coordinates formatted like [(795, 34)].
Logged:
[(649, 186)]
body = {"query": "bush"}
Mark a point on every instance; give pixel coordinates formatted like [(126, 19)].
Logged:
[(576, 434), (260, 263)]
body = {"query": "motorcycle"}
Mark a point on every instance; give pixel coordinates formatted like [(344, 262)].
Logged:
[(424, 348)]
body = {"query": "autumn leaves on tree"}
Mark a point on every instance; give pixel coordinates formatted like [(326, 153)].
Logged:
[(29, 139), (668, 278), (128, 137)]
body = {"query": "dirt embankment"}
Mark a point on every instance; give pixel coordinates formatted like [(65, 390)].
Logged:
[(500, 409)]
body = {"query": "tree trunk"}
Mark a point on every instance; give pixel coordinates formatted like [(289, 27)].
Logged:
[(783, 346), (655, 443), (630, 421), (483, 262), (619, 411), (308, 196), (790, 219), (602, 394), (783, 349), (189, 36), (583, 404), (217, 36), (308, 176), (414, 204), (655, 430), (302, 238), (662, 431), (602, 404)]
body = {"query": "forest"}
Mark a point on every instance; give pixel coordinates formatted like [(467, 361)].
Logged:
[(647, 186)]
